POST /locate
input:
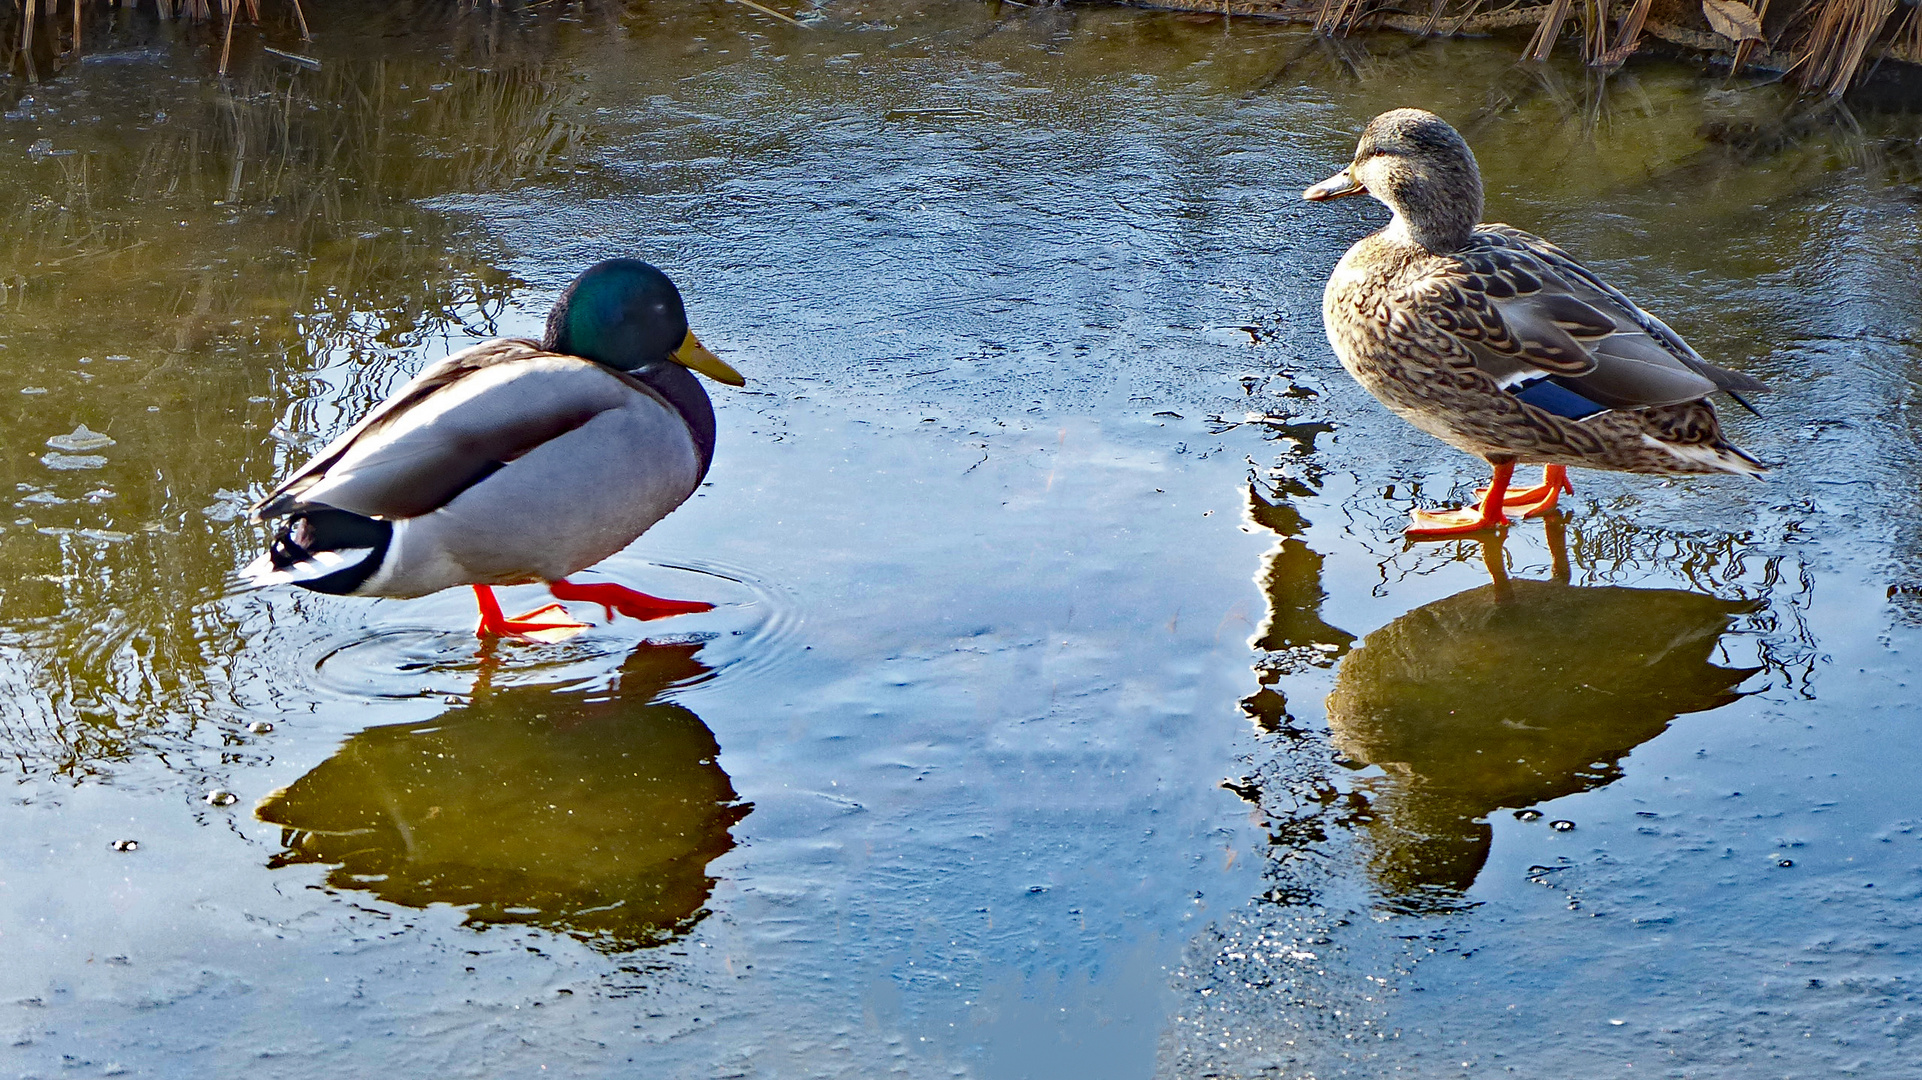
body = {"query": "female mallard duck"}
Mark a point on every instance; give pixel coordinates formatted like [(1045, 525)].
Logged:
[(513, 462), (1498, 343)]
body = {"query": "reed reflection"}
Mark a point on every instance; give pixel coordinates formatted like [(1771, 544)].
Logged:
[(206, 277), (589, 813), (1511, 694)]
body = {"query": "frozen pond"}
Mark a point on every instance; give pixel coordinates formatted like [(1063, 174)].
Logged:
[(1073, 706)]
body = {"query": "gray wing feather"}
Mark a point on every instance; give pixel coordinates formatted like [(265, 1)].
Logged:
[(452, 425), (1525, 309), (1582, 282), (285, 499)]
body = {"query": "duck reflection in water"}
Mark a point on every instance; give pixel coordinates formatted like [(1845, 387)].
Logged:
[(1508, 695), (590, 813)]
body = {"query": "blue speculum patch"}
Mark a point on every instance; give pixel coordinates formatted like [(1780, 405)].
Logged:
[(1551, 396)]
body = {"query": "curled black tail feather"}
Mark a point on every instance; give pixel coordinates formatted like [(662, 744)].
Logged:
[(303, 543)]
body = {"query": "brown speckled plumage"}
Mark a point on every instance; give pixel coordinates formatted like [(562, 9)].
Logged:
[(1437, 314)]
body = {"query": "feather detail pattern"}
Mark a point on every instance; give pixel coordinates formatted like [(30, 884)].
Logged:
[(1440, 338)]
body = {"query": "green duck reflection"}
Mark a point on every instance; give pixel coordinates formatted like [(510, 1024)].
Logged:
[(590, 813), (1508, 695)]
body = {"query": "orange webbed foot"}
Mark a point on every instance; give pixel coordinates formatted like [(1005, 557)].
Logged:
[(1465, 521), (629, 602), (548, 624), (1533, 502)]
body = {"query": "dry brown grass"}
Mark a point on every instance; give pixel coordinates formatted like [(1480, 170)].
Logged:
[(1825, 45), (1839, 42), (1822, 45)]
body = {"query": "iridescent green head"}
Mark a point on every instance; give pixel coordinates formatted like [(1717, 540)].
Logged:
[(626, 314)]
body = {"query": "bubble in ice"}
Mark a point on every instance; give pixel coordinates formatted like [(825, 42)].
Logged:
[(221, 797), (1562, 825), (260, 727), (81, 438), (126, 845), (1528, 815)]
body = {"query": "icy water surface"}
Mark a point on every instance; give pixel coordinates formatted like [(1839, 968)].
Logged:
[(1071, 706)]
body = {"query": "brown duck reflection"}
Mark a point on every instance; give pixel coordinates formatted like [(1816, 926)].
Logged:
[(1511, 694), (594, 814)]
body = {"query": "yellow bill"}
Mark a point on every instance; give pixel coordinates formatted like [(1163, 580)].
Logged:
[(695, 356)]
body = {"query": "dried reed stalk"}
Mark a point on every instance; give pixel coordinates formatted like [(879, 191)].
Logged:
[(765, 10), (1745, 49), (1550, 28), (1909, 38), (227, 47), (1629, 37), (1840, 39), (1594, 31), (1338, 16), (1434, 17)]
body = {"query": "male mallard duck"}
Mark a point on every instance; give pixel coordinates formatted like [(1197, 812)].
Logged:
[(1498, 343), (513, 462)]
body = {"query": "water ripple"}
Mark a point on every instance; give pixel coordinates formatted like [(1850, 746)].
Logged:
[(752, 628)]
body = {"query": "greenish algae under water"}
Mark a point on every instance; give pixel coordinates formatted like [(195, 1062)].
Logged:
[(1042, 534)]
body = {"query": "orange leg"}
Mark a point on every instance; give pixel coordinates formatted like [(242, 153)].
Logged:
[(550, 623), (1466, 521), (1538, 500), (634, 605)]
